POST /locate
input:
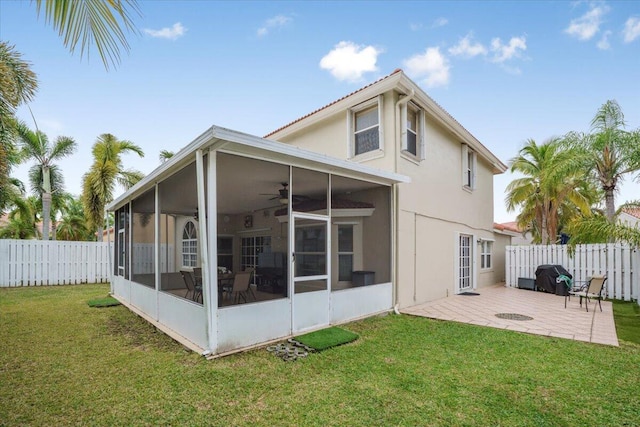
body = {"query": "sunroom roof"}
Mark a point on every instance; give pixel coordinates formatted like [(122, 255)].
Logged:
[(235, 142)]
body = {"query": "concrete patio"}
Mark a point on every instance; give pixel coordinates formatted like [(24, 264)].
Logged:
[(550, 318)]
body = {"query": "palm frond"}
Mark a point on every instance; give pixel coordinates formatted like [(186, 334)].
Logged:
[(90, 23)]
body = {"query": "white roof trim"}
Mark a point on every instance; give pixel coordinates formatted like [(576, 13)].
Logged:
[(233, 141)]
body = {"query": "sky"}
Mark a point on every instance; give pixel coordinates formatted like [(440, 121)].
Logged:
[(507, 71)]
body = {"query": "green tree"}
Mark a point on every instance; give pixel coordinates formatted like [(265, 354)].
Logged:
[(106, 171), (553, 189), (599, 229), (87, 23), (44, 175), (18, 85), (23, 220), (609, 150), (72, 224), (165, 155)]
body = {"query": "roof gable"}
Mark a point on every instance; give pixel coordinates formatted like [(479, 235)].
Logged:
[(398, 81)]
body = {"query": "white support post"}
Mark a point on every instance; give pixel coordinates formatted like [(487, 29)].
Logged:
[(203, 221)]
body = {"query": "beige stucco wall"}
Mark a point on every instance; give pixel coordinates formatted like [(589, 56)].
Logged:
[(331, 136), (433, 209)]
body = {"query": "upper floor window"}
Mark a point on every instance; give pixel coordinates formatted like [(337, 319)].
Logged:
[(412, 131), (469, 166), (189, 245), (366, 127), (486, 250)]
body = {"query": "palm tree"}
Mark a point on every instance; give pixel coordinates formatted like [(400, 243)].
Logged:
[(553, 190), (92, 22), (610, 151), (599, 229), (73, 224), (23, 220), (107, 170), (45, 176), (18, 85), (165, 155)]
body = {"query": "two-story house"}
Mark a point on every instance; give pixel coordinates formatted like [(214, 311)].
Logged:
[(377, 200), (444, 240)]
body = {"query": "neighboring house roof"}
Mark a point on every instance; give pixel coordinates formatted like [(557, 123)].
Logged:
[(507, 226), (634, 212), (399, 81)]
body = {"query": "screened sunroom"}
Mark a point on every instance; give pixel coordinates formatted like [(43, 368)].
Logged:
[(238, 240)]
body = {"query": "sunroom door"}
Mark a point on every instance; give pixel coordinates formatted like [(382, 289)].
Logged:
[(310, 270)]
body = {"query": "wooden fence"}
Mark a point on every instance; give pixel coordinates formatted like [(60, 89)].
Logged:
[(37, 262), (620, 263)]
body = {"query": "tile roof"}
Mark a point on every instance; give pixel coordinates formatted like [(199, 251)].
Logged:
[(316, 205), (635, 212), (397, 70), (507, 226)]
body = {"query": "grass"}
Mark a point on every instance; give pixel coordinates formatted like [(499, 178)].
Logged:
[(103, 302), (63, 363), (627, 318), (327, 338)]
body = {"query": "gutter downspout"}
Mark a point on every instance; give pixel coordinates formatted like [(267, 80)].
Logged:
[(395, 202)]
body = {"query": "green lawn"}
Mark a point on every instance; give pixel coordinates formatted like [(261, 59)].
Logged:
[(62, 363), (627, 317)]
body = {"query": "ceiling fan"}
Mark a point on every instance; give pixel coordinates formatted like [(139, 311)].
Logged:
[(283, 195)]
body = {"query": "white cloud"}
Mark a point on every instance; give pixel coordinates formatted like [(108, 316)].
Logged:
[(432, 67), (176, 31), (604, 44), (276, 22), (467, 48), (586, 26), (440, 22), (504, 52), (631, 29), (415, 27), (349, 61)]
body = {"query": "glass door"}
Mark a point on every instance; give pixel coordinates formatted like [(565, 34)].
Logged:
[(310, 271), (464, 263)]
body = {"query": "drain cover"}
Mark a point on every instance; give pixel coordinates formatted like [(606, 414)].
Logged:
[(513, 316)]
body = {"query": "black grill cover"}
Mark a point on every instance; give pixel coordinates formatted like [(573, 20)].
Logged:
[(546, 279)]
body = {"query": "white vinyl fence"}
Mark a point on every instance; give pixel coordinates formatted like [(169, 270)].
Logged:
[(620, 263), (37, 262)]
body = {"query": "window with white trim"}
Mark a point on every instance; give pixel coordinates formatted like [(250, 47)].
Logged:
[(486, 250), (189, 245), (413, 131), (366, 127), (469, 166)]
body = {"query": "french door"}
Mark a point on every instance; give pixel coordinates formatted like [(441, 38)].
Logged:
[(465, 270)]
